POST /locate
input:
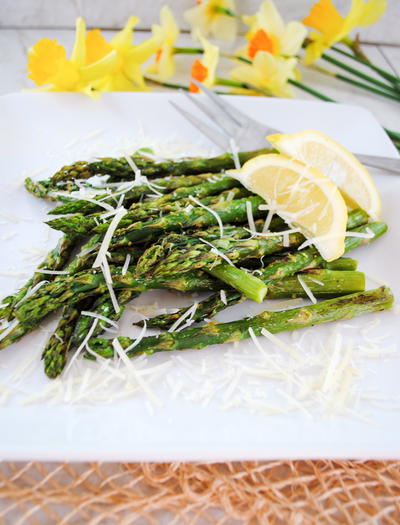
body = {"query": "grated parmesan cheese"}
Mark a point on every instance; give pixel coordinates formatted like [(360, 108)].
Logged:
[(52, 272), (250, 218), (306, 288), (217, 252), (126, 264), (223, 296), (107, 237), (189, 313), (235, 152), (213, 212), (100, 317)]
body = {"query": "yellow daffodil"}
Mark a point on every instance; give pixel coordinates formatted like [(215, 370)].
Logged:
[(332, 27), (164, 65), (48, 65), (95, 64), (211, 17), (268, 73), (204, 70), (268, 33), (127, 74)]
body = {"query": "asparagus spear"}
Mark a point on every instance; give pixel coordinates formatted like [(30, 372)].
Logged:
[(73, 327), (334, 283), (55, 260), (179, 245), (200, 191), (159, 251), (103, 306), (133, 195), (119, 168), (83, 224), (200, 256), (44, 189), (229, 212), (281, 267), (242, 281), (310, 258), (71, 289), (57, 347), (343, 263), (330, 310)]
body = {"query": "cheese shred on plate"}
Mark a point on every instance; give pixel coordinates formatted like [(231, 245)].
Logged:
[(213, 212)]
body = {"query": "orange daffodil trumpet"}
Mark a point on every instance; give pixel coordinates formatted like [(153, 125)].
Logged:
[(48, 65), (164, 65), (204, 69), (95, 64), (271, 47), (269, 33), (332, 27), (213, 17)]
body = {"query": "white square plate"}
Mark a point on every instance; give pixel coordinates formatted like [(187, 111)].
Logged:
[(44, 131)]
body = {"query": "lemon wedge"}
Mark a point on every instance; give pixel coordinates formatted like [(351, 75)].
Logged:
[(302, 196), (320, 151)]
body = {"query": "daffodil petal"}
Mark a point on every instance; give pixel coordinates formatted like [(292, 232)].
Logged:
[(169, 25), (67, 77), (165, 67), (292, 38), (224, 28), (198, 20), (270, 19), (209, 59), (315, 49), (78, 56), (101, 68), (143, 51), (97, 46), (325, 18), (123, 39), (362, 14), (269, 73)]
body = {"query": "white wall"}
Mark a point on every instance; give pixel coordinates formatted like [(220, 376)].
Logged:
[(113, 13)]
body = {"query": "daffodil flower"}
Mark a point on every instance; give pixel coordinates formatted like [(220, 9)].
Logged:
[(213, 17), (332, 27), (204, 70), (95, 64), (269, 73), (269, 33), (164, 65), (127, 74), (49, 67)]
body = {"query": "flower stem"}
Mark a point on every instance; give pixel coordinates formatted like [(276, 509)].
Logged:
[(188, 50), (393, 95), (312, 91), (354, 45), (200, 51), (385, 74), (166, 84), (224, 11), (241, 85), (355, 72)]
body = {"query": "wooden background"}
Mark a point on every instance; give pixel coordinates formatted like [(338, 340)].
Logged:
[(106, 14)]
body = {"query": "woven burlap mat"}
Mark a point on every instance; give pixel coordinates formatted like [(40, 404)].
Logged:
[(274, 492)]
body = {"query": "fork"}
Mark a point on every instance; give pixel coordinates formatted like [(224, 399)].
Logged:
[(242, 132)]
